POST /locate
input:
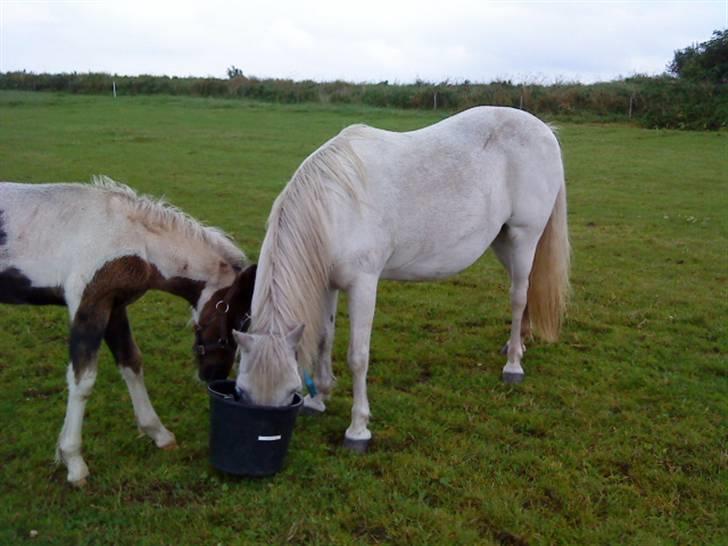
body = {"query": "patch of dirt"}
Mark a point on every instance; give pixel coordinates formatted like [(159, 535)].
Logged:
[(42, 392)]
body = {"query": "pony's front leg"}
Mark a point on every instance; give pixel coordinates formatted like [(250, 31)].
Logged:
[(129, 360), (87, 330), (323, 373), (362, 300)]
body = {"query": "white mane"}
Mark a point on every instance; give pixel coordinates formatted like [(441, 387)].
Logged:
[(295, 256), (159, 213)]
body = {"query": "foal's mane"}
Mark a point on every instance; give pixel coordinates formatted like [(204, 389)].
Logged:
[(295, 257), (165, 216)]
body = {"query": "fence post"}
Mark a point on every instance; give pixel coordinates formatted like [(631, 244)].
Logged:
[(434, 100), (631, 101), (113, 85)]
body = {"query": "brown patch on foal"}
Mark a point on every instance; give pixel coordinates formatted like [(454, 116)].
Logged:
[(115, 285)]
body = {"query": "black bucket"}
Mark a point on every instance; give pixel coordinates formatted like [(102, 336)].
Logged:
[(248, 440)]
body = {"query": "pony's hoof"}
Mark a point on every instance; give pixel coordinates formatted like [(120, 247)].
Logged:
[(171, 446), (510, 378), (79, 484), (357, 446)]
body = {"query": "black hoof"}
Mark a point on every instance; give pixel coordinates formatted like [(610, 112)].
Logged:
[(357, 446), (305, 410), (513, 378)]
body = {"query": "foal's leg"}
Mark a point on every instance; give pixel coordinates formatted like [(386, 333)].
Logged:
[(362, 300), (129, 359), (87, 330), (323, 374), (515, 247)]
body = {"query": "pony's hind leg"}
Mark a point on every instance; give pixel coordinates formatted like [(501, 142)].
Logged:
[(128, 357), (87, 330), (515, 248), (323, 374), (503, 249)]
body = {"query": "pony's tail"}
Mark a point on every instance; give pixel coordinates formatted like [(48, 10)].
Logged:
[(548, 288)]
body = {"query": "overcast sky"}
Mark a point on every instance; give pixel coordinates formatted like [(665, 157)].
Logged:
[(368, 40)]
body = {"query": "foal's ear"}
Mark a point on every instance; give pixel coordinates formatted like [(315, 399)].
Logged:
[(244, 340), (247, 277), (294, 336)]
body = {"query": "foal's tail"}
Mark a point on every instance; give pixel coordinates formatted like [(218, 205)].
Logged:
[(548, 288)]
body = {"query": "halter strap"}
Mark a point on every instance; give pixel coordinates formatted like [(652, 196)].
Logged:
[(223, 341)]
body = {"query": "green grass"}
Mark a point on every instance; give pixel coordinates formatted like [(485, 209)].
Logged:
[(618, 436)]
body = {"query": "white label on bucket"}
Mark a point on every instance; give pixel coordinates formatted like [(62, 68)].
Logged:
[(269, 438)]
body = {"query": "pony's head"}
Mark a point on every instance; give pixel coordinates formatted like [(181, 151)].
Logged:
[(268, 373), (225, 310)]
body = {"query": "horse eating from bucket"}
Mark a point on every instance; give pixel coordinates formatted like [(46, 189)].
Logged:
[(419, 205), (98, 248)]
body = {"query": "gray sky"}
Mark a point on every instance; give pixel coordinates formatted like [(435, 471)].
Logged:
[(368, 40)]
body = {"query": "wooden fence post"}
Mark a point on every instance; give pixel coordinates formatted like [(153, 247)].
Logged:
[(631, 102)]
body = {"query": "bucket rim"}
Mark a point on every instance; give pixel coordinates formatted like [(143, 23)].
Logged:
[(229, 399)]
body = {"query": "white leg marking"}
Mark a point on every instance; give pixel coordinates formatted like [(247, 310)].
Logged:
[(147, 419), (69, 441)]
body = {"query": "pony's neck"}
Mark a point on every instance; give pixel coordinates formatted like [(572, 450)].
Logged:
[(292, 280), (270, 309), (292, 284)]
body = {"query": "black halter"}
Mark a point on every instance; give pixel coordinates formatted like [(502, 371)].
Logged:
[(223, 341)]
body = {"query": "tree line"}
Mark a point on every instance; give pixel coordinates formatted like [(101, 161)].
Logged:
[(692, 94)]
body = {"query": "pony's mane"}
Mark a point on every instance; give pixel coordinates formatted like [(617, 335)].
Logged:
[(159, 213), (295, 255)]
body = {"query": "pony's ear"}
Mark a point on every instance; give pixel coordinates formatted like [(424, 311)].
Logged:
[(294, 336), (244, 340)]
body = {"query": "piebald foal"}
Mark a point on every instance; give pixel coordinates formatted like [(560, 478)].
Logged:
[(96, 249)]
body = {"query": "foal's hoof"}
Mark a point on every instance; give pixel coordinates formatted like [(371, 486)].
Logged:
[(510, 378), (357, 446)]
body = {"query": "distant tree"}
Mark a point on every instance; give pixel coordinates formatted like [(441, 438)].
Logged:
[(707, 61), (234, 72)]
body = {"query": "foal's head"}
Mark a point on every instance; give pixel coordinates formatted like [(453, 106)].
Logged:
[(268, 373), (225, 310)]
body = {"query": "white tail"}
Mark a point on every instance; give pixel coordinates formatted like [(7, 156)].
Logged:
[(548, 289)]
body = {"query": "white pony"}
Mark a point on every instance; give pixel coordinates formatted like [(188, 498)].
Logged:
[(419, 205)]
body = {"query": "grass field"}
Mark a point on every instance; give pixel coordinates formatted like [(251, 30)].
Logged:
[(618, 436)]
